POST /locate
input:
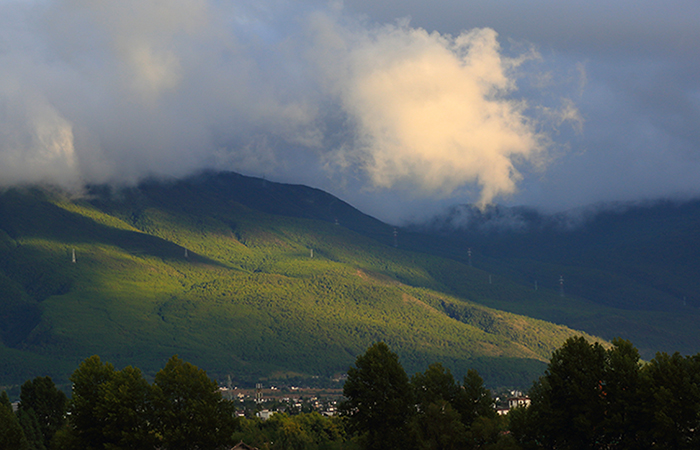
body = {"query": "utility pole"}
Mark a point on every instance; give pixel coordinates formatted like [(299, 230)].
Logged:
[(73, 259)]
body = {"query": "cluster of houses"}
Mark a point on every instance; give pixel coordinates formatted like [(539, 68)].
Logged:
[(252, 401), (249, 401), (516, 400)]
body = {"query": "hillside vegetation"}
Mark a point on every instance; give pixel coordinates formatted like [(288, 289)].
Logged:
[(245, 278), (629, 270)]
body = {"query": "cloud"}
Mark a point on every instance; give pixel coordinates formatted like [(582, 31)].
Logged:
[(431, 112), (36, 142), (141, 88), (630, 69), (103, 91)]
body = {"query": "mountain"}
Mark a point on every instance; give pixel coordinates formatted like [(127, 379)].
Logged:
[(628, 270), (248, 279)]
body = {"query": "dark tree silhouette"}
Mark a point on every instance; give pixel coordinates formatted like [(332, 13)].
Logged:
[(380, 401)]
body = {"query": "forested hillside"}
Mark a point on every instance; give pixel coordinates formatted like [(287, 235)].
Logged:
[(626, 270), (245, 278)]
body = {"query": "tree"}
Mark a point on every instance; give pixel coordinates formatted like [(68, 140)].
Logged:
[(671, 387), (588, 398), (380, 401), (189, 412), (435, 384), (624, 419), (42, 405), (289, 433), (31, 428), (474, 400), (88, 420), (568, 404), (110, 408), (126, 409), (11, 434), (439, 427)]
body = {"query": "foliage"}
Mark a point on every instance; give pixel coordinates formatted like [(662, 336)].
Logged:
[(628, 269), (380, 402), (596, 398), (451, 415), (439, 426), (32, 431), (475, 400), (126, 404), (433, 385), (112, 409), (89, 419), (11, 434), (306, 431), (247, 289), (188, 409), (672, 401), (590, 397), (430, 412), (43, 407)]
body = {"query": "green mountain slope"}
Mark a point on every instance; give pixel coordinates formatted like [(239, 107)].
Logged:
[(629, 271), (244, 278)]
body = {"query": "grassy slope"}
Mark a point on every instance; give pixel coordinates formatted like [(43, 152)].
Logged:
[(248, 300)]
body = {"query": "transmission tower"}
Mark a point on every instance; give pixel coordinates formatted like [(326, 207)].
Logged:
[(561, 285)]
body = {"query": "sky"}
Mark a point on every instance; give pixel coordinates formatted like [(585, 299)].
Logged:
[(401, 108)]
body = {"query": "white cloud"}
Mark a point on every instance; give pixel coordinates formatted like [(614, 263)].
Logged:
[(36, 142), (431, 112)]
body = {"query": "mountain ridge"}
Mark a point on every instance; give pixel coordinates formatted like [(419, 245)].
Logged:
[(249, 278)]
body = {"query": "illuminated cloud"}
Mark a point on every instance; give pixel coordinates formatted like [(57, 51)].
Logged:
[(431, 112)]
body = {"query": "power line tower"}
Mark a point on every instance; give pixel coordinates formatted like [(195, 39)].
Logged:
[(396, 238), (73, 257), (561, 285), (469, 255)]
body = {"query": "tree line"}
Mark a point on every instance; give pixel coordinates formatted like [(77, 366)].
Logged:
[(590, 397), (118, 409)]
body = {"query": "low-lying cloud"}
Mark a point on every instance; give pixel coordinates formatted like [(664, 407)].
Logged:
[(100, 91)]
